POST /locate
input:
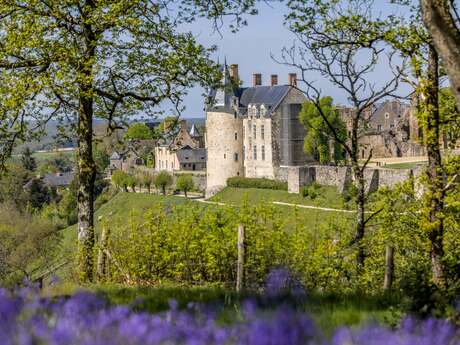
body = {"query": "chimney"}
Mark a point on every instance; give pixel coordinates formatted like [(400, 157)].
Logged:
[(256, 79), (274, 79), (293, 79), (234, 72)]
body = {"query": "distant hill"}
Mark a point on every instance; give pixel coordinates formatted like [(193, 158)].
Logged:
[(51, 140)]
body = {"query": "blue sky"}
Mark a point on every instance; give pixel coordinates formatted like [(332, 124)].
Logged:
[(251, 47)]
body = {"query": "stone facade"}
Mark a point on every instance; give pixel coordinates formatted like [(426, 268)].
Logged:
[(183, 151), (342, 177), (224, 143), (253, 132)]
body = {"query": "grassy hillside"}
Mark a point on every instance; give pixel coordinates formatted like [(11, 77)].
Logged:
[(123, 206), (327, 196)]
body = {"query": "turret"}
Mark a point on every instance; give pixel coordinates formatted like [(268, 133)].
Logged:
[(224, 133)]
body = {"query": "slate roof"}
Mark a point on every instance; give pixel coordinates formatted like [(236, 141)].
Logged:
[(270, 95), (194, 131), (62, 179), (115, 156), (188, 155)]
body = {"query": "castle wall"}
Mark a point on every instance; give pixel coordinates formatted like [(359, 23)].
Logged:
[(341, 177), (224, 140)]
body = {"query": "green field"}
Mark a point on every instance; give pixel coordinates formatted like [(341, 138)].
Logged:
[(327, 196), (409, 165), (43, 156)]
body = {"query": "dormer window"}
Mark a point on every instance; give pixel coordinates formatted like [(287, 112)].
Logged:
[(263, 110)]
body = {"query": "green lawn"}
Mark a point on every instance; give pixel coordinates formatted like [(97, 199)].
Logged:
[(409, 165), (43, 156), (327, 196)]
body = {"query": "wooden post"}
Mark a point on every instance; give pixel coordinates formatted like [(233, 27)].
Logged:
[(101, 256), (240, 264), (389, 268)]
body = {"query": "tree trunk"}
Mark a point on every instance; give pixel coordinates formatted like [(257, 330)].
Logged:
[(360, 209), (438, 19), (86, 177), (240, 262), (389, 268), (86, 165), (185, 192), (164, 190), (435, 174)]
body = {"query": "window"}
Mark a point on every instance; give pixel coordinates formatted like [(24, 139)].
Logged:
[(263, 152), (254, 130), (255, 152), (244, 152), (225, 156), (236, 135), (235, 157), (392, 126), (235, 115), (379, 127), (262, 132), (244, 132), (387, 115)]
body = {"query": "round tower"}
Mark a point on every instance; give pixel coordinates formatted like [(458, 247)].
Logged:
[(224, 142), (224, 135)]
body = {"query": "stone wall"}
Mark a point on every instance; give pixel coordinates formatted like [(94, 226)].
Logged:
[(341, 177)]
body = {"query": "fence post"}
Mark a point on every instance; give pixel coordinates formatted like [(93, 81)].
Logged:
[(240, 263), (389, 268), (101, 256)]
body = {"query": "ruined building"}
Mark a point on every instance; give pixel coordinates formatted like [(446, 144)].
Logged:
[(253, 131)]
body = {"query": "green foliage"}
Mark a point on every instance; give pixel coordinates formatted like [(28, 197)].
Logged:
[(139, 131), (39, 194), (450, 117), (185, 183), (119, 178), (27, 160), (262, 183), (319, 135), (27, 245), (310, 190), (163, 180)]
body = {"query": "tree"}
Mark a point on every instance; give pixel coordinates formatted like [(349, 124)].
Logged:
[(119, 179), (139, 131), (407, 35), (27, 160), (185, 183), (131, 182), (333, 50), (81, 59), (162, 180), (442, 20), (319, 139), (450, 117), (39, 193)]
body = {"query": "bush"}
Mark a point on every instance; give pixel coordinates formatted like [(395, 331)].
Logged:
[(310, 190), (262, 183), (163, 180), (185, 183)]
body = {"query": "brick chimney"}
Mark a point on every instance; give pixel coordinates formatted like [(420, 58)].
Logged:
[(256, 79), (234, 72), (274, 79), (292, 77)]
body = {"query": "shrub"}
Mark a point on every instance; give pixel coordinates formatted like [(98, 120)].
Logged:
[(310, 190), (262, 183), (119, 178), (163, 180), (185, 183)]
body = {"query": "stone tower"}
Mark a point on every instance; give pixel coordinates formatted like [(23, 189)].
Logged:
[(224, 133)]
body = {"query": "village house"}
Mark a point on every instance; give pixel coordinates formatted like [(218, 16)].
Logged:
[(183, 151)]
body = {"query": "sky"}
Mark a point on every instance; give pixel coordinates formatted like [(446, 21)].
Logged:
[(251, 48)]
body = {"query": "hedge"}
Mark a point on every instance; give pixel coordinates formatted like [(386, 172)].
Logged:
[(263, 183)]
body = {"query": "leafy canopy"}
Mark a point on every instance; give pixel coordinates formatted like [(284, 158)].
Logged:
[(319, 135)]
